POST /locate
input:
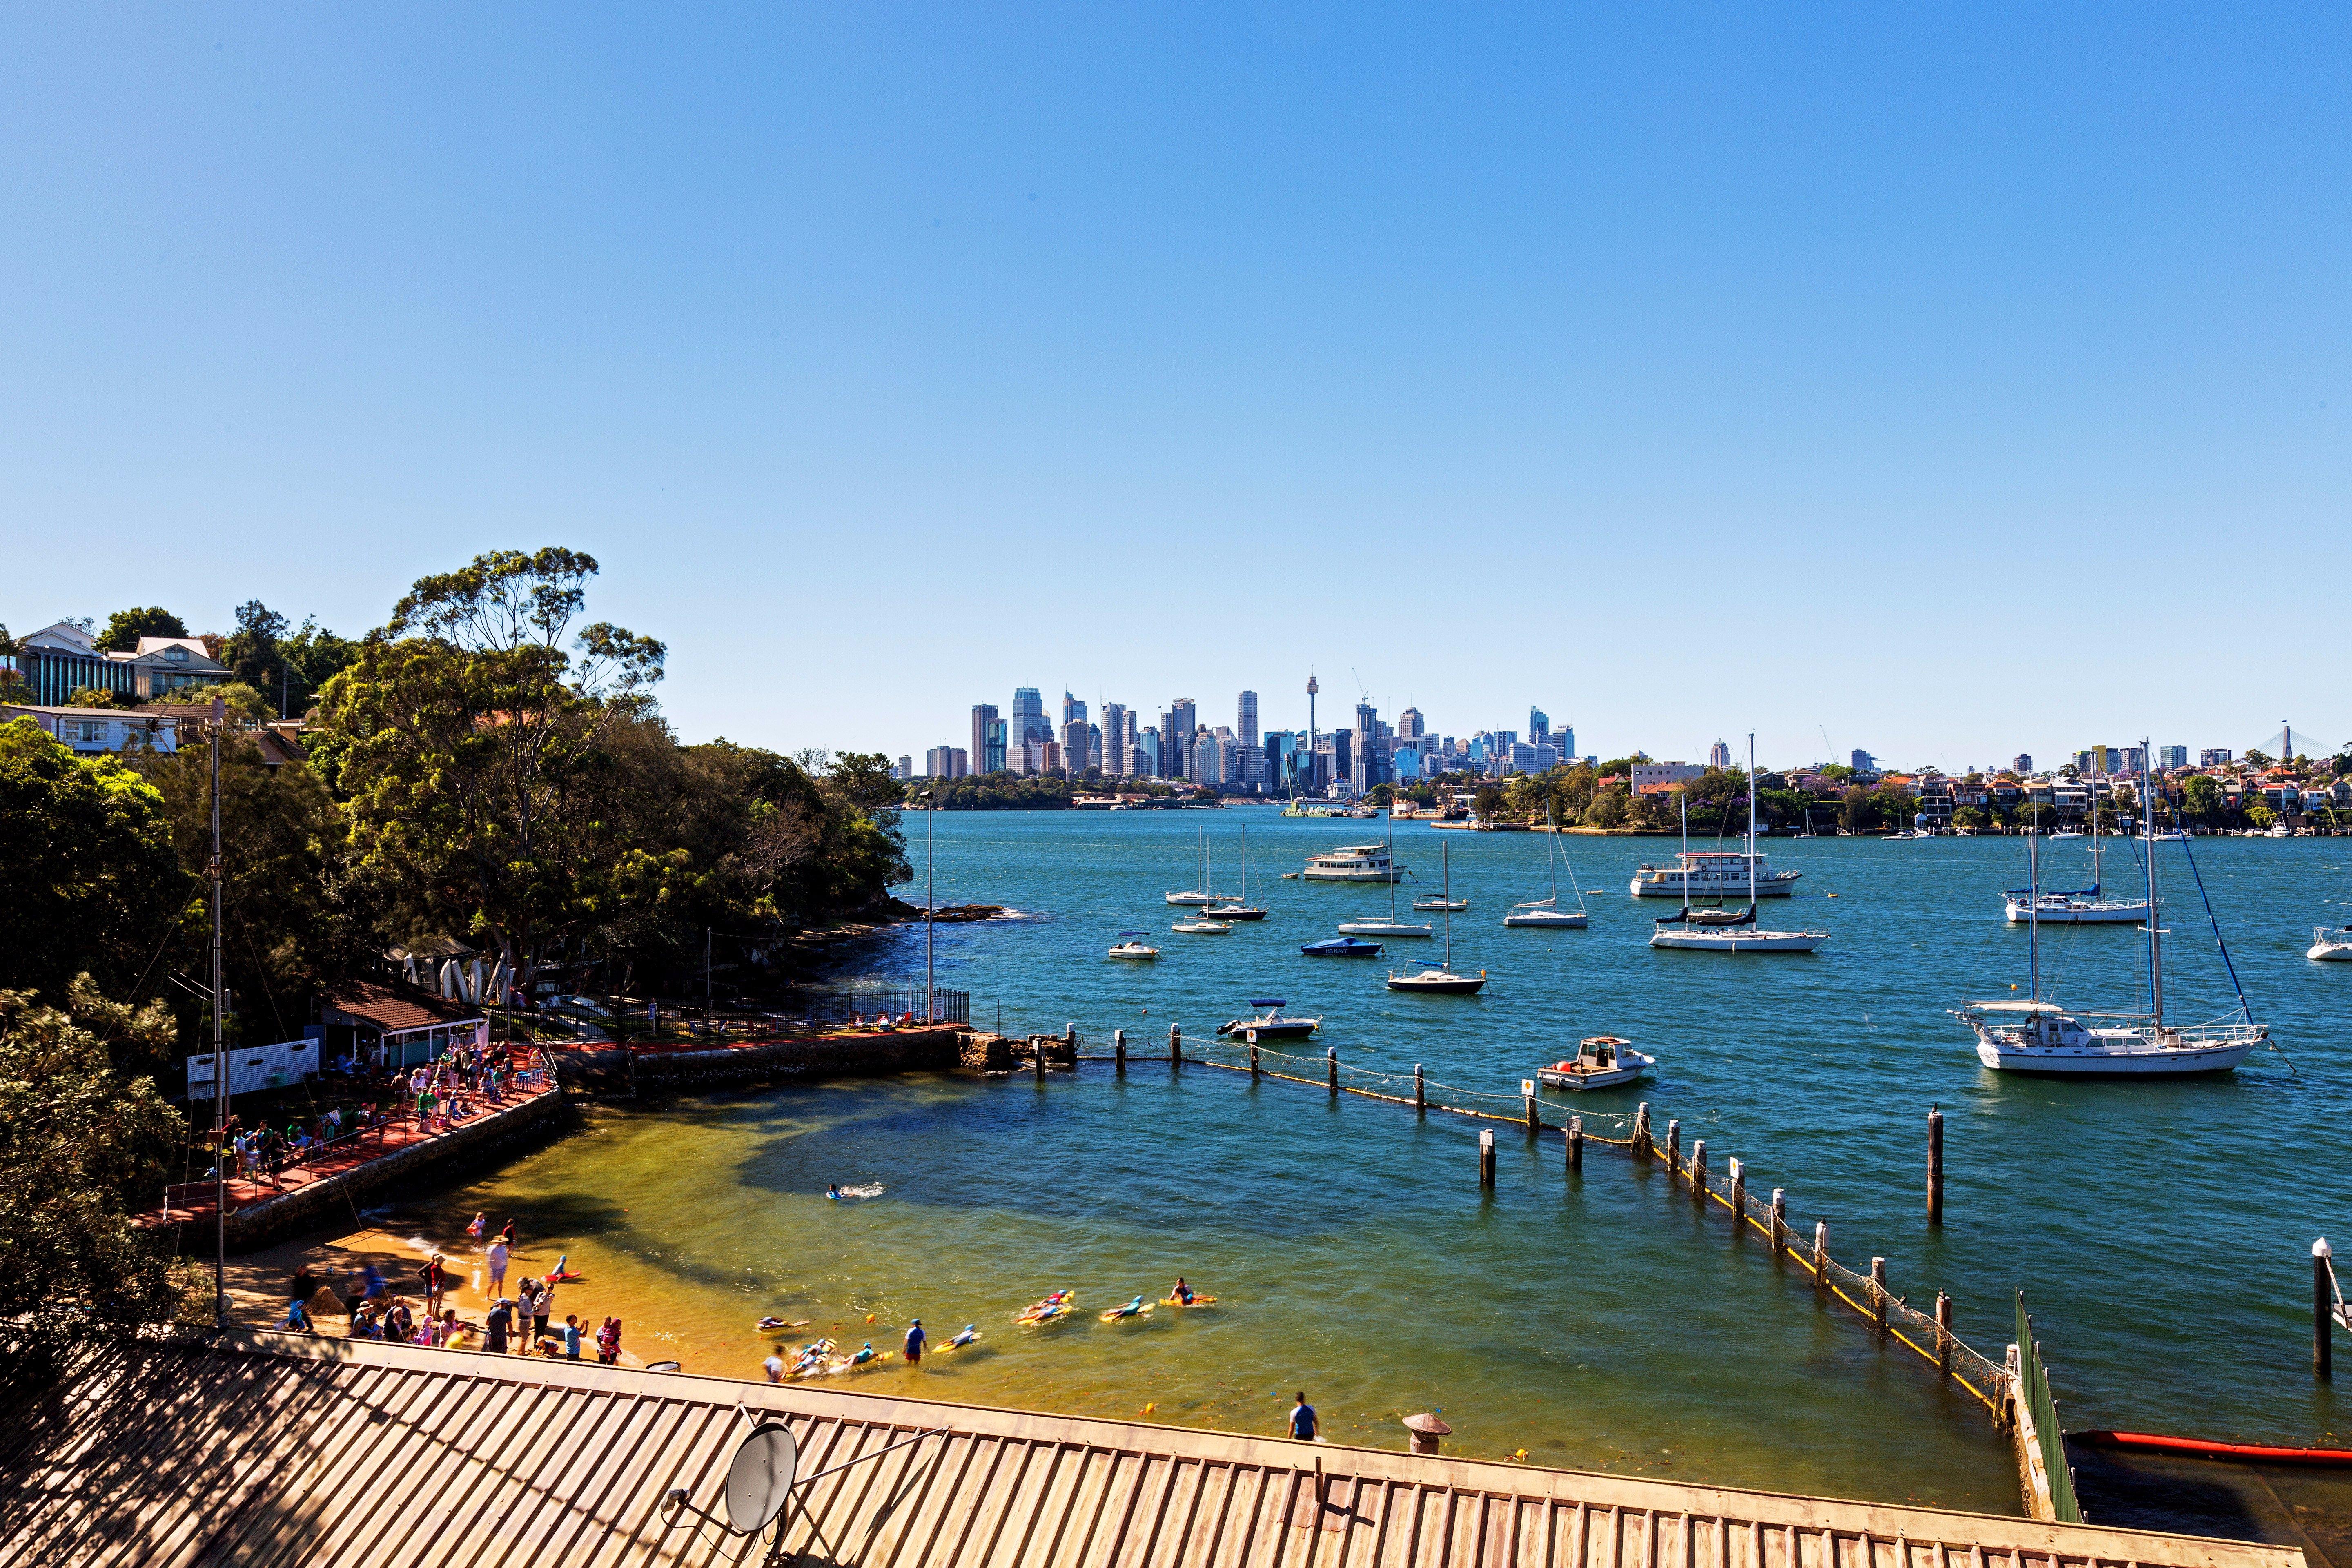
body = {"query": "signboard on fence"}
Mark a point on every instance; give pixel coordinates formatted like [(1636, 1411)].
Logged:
[(252, 1068)]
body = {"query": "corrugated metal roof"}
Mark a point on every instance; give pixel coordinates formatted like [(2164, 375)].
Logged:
[(278, 1449)]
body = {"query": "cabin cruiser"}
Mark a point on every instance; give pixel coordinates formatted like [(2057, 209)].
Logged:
[(1272, 1024), (1714, 873), (1353, 863), (1603, 1061), (2082, 907), (1133, 946)]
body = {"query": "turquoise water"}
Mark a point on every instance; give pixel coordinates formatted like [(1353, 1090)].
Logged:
[(2161, 1231)]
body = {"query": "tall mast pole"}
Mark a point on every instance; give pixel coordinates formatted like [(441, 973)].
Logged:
[(220, 1058), (2034, 903), (2154, 925), (1751, 822), (931, 901)]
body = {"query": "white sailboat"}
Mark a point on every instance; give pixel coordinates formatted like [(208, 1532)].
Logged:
[(1442, 981), (1390, 926), (1738, 933), (2039, 1036), (2088, 906), (1546, 912), (2330, 944), (1237, 909), (1197, 896)]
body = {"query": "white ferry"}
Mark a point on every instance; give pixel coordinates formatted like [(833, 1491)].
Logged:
[(1712, 873), (1354, 863)]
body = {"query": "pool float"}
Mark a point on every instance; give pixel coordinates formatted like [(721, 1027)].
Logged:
[(1135, 1308), (565, 1277), (1198, 1300)]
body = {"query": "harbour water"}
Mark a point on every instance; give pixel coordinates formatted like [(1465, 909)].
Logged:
[(2161, 1231)]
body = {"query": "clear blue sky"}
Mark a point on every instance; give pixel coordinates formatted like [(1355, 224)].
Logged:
[(1957, 384)]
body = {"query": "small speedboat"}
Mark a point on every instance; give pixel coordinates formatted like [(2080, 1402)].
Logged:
[(1132, 946), (1440, 902), (1340, 947), (1605, 1061), (1440, 982), (1271, 1025)]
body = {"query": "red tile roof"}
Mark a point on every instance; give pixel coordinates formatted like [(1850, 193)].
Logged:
[(394, 1008)]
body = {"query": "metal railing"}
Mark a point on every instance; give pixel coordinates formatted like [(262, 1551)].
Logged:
[(2033, 1388)]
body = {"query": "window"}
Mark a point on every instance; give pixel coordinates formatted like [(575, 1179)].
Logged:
[(93, 731), (176, 654)]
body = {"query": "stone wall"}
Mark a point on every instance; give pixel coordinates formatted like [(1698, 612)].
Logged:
[(856, 1056), (404, 1173)]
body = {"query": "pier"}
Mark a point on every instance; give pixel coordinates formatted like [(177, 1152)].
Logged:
[(280, 1448)]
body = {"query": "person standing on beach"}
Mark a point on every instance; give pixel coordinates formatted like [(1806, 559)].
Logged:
[(497, 1265), (916, 1339), (773, 1366), (1303, 1425), (501, 1319), (527, 1310), (570, 1337), (436, 1280), (544, 1309)]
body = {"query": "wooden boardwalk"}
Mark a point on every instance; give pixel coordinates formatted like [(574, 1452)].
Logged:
[(278, 1449)]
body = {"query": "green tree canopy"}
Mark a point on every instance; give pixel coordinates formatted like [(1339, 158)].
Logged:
[(83, 1145), (125, 627), (85, 858)]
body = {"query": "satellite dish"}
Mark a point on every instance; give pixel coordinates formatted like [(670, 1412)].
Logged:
[(759, 1477)]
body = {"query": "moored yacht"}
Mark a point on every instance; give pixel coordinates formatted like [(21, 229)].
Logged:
[(1353, 863), (1387, 925), (2326, 943), (1713, 930), (1603, 1061), (2091, 906), (1545, 914), (1714, 874), (1442, 980)]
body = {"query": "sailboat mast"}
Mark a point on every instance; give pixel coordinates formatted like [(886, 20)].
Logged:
[(2154, 925), (1751, 822), (1683, 796), (2034, 903), (1445, 853)]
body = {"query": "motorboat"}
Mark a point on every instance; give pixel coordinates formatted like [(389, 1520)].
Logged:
[(1132, 946), (1442, 981), (1437, 902), (1342, 947), (1387, 925), (1602, 1061), (1271, 1025), (1353, 863), (1200, 926), (2326, 943), (1717, 931), (1546, 913), (2036, 1035), (1714, 873), (1237, 909)]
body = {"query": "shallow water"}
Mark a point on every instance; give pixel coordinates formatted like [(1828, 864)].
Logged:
[(2161, 1230)]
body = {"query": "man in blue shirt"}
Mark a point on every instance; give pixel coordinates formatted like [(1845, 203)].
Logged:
[(1302, 1419), (916, 1339)]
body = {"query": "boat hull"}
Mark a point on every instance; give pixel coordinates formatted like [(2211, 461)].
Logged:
[(1545, 918), (1349, 949), (1313, 875), (2067, 1061), (1446, 985), (1616, 1077), (2325, 950), (1233, 912), (1730, 941), (1194, 900), (2088, 914), (1382, 929), (1285, 1029), (1668, 884)]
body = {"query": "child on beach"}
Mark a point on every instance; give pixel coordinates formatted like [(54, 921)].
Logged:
[(608, 1343), (480, 1223)]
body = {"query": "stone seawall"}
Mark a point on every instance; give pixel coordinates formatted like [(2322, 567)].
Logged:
[(404, 1173), (613, 1071)]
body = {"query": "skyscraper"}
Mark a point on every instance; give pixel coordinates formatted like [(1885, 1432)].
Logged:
[(991, 757), (1029, 716), (1072, 709), (1719, 755), (1114, 739), (1246, 763), (983, 714), (1409, 725), (1539, 726), (1176, 737), (1075, 737)]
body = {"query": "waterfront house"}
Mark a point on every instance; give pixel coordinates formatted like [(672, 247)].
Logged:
[(410, 1025), (90, 730), (64, 658)]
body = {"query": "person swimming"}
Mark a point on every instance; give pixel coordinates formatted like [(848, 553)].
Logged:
[(1182, 1294), (832, 1192), (971, 1332)]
